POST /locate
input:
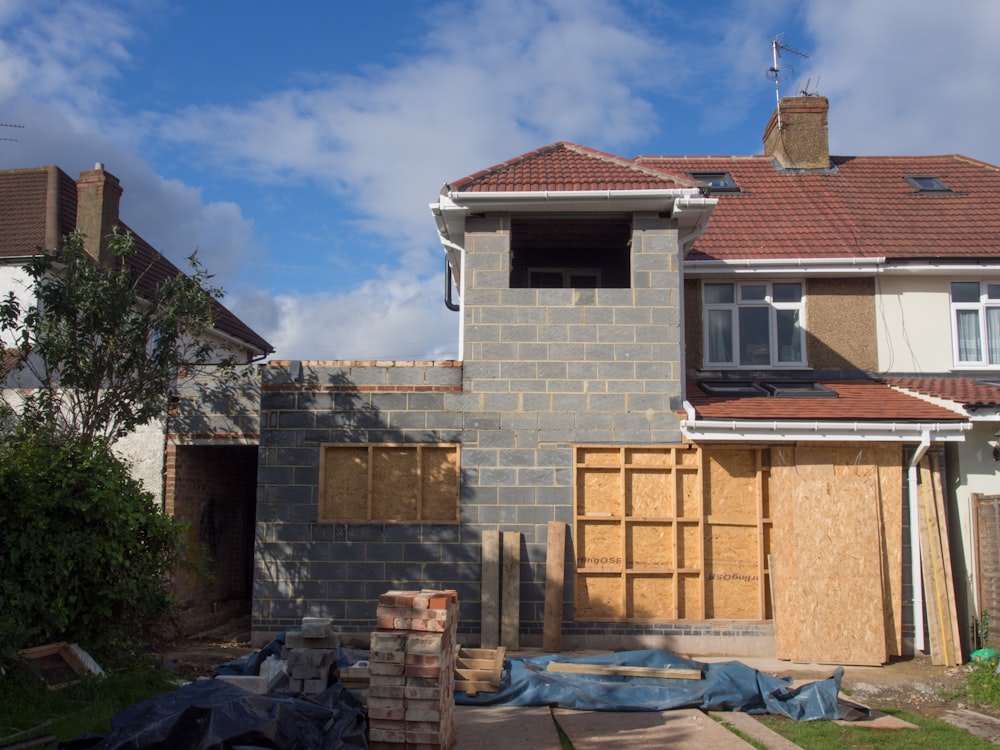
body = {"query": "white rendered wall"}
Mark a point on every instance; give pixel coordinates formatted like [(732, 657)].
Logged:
[(914, 324)]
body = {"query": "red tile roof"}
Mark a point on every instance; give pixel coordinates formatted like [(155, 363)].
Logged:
[(28, 221), (857, 400), (970, 392), (863, 207), (567, 166)]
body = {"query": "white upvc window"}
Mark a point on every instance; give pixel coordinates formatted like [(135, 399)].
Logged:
[(753, 324), (975, 322)]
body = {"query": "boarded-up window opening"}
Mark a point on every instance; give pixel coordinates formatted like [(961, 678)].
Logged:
[(389, 482), (671, 533)]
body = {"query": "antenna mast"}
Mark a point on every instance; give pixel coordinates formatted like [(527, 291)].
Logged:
[(9, 125), (775, 72)]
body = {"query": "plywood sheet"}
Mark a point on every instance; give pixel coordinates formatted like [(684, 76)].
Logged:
[(732, 577), (649, 493), (731, 483), (344, 484), (650, 597), (828, 555), (599, 492), (648, 545), (599, 545), (439, 483), (599, 596)]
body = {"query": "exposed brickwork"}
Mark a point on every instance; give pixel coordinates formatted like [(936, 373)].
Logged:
[(412, 665)]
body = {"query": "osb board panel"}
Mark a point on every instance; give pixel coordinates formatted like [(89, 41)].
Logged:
[(599, 456), (649, 456), (781, 495), (689, 545), (841, 617), (599, 545), (828, 546), (732, 573), (649, 493), (689, 486), (439, 485), (648, 545), (731, 483), (650, 597), (344, 484), (598, 492), (889, 459), (598, 596), (395, 485)]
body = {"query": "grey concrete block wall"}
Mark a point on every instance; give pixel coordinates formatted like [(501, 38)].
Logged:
[(543, 370)]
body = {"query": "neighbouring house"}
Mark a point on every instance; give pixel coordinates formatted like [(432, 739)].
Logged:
[(200, 460), (755, 389)]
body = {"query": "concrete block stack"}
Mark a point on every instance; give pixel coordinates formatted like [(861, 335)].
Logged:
[(311, 654), (411, 698)]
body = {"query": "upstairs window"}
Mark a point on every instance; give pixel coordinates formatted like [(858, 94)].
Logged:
[(975, 319), (753, 324), (578, 253)]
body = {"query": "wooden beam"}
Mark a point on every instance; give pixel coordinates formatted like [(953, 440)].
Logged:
[(555, 572), (670, 673), (510, 600), (489, 634)]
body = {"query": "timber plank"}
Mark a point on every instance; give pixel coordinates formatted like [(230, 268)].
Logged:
[(619, 670)]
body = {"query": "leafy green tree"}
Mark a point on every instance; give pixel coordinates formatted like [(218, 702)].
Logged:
[(84, 553), (105, 344)]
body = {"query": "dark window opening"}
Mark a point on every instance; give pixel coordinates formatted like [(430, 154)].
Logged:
[(719, 182), (585, 253), (731, 388)]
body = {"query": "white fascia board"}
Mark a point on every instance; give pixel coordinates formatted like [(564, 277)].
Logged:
[(941, 269), (785, 266), (737, 430)]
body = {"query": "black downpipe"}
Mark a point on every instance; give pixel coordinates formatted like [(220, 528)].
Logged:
[(447, 288)]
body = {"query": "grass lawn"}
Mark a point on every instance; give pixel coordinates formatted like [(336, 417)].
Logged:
[(931, 735), (67, 713)]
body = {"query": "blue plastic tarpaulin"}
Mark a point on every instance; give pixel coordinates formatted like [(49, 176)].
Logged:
[(724, 686)]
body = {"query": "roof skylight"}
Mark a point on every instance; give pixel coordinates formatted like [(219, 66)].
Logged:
[(928, 184), (720, 182)]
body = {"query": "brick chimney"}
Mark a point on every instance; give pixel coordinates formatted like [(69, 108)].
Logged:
[(801, 140), (98, 194)]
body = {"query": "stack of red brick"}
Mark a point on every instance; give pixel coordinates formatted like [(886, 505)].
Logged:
[(411, 698)]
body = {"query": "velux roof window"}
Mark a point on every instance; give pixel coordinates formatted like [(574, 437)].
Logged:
[(720, 182), (764, 388), (928, 184)]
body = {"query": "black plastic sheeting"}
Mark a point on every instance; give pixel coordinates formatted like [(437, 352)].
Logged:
[(213, 714), (725, 686)]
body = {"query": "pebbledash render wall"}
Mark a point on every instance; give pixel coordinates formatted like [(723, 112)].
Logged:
[(543, 370)]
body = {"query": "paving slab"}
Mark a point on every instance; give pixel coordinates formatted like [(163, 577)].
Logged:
[(753, 729), (636, 730), (505, 728)]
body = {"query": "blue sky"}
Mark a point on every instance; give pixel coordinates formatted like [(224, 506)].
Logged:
[(297, 146)]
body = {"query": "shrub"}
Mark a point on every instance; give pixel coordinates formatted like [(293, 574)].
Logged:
[(84, 551)]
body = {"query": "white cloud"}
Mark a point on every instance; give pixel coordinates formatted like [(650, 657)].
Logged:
[(494, 80), (394, 316), (909, 76)]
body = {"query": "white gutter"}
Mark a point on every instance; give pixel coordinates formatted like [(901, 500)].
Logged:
[(916, 574), (788, 430)]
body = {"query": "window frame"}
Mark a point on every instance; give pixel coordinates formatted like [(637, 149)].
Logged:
[(739, 304), (981, 307)]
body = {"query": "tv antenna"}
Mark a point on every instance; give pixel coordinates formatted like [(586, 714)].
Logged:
[(777, 72), (9, 125)]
